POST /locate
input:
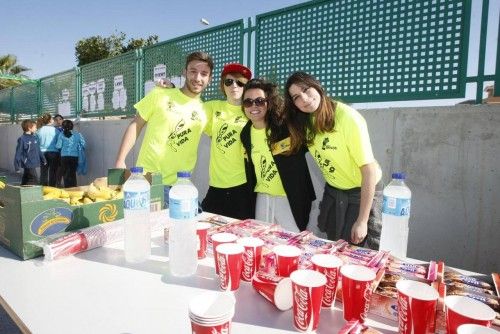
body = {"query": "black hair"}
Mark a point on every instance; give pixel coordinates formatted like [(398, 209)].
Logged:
[(67, 126)]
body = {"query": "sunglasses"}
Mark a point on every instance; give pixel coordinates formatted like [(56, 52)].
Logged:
[(229, 82), (259, 102)]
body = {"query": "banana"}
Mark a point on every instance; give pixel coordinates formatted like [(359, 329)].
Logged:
[(2, 184), (74, 201), (102, 192), (52, 195), (47, 189), (87, 200), (63, 194), (118, 195), (106, 192), (75, 194)]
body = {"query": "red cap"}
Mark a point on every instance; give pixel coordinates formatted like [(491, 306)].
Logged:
[(237, 68)]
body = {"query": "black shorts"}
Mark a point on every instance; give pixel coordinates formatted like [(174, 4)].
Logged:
[(235, 202)]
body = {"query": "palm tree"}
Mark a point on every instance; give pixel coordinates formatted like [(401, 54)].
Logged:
[(11, 74)]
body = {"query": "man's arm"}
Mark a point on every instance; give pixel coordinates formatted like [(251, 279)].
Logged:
[(128, 141)]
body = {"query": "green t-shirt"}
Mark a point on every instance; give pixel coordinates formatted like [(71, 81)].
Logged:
[(225, 122), (266, 172), (341, 152), (175, 123)]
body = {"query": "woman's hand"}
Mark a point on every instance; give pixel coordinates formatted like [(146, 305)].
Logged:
[(359, 231)]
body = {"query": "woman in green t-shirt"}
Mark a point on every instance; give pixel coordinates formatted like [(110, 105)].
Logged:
[(228, 193), (337, 137), (280, 178)]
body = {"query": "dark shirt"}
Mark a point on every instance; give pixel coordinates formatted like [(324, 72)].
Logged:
[(28, 153)]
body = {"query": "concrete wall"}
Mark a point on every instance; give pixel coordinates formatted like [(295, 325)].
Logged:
[(450, 154)]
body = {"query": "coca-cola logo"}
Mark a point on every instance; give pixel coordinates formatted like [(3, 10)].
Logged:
[(367, 296), (403, 313), (301, 305), (262, 276), (331, 284), (223, 330), (221, 260), (248, 263)]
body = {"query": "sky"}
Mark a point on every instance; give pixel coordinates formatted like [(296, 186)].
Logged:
[(43, 34)]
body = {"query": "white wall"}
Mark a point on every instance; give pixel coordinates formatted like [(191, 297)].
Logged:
[(450, 154)]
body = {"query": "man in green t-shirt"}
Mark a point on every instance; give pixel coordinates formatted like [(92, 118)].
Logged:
[(175, 119)]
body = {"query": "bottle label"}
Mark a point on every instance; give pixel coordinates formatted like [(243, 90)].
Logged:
[(133, 200), (396, 206), (183, 208)]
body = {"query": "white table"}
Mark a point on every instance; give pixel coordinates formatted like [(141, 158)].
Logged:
[(98, 292)]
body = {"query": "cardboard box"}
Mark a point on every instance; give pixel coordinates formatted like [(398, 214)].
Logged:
[(25, 216)]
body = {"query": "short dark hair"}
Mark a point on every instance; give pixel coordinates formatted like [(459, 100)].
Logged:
[(27, 124), (58, 115), (67, 126), (201, 56)]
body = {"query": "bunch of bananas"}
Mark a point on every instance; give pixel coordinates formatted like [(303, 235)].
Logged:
[(2, 184), (94, 193)]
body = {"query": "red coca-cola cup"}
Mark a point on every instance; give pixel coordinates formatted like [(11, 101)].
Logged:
[(416, 307), (307, 290), (201, 233), (329, 265), (211, 312), (287, 259), (221, 238), (464, 310), (475, 329), (356, 291), (230, 261), (276, 289), (251, 256)]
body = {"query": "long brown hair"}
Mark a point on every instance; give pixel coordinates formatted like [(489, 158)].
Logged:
[(274, 114), (303, 127)]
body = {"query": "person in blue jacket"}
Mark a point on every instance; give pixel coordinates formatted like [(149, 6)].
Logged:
[(47, 137), (71, 144), (28, 154)]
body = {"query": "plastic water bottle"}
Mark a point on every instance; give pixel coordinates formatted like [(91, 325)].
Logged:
[(136, 208), (395, 216), (182, 240)]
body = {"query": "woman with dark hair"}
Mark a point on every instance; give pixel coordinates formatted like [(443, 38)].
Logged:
[(279, 176), (337, 137), (47, 138), (69, 142)]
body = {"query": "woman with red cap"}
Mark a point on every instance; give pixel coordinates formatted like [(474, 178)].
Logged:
[(228, 193)]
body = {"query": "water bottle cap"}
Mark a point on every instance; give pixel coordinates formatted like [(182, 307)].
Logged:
[(136, 170), (183, 174), (399, 175)]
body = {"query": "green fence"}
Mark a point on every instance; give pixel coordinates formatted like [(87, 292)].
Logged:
[(224, 43), (109, 86), (365, 50), (362, 50), (58, 93)]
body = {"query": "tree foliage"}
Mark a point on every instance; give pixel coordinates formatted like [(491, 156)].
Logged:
[(94, 48), (11, 73)]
